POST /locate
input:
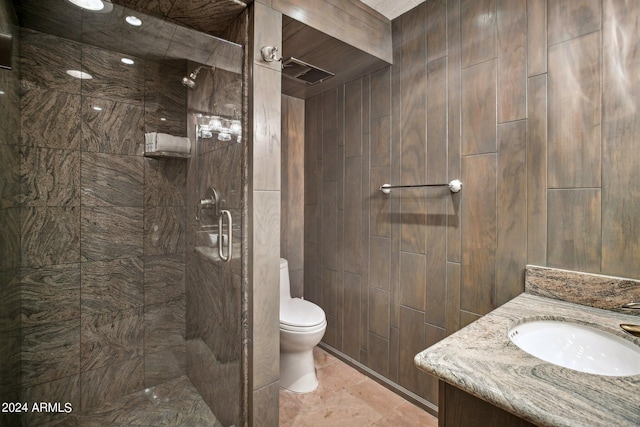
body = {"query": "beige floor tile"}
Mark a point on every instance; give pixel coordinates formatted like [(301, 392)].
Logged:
[(346, 397)]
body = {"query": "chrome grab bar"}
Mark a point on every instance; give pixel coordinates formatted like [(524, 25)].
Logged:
[(454, 186), (225, 213)]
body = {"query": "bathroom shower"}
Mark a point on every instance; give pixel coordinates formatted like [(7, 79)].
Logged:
[(158, 322)]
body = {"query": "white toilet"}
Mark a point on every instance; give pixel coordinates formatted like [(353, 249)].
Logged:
[(302, 326)]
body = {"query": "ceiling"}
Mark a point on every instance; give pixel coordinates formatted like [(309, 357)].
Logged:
[(392, 8), (168, 25)]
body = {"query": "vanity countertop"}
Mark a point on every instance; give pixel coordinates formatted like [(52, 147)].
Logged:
[(481, 360)]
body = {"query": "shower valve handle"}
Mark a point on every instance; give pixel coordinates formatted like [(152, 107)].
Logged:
[(211, 200)]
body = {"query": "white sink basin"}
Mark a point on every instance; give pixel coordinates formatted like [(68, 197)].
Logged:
[(578, 347)]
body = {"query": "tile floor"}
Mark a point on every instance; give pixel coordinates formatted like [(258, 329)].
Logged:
[(174, 403), (345, 397)]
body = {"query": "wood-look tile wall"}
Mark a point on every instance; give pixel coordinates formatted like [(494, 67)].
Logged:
[(533, 104), (10, 222), (292, 192), (264, 217), (102, 260)]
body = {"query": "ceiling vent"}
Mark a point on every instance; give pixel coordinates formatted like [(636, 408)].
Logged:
[(303, 72)]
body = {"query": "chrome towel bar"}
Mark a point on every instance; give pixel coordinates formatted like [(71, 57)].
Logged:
[(454, 186)]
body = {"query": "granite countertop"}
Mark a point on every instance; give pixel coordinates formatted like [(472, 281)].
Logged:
[(481, 360)]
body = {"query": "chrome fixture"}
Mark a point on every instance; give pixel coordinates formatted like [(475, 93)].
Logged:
[(270, 54), (633, 330), (212, 201), (632, 305), (225, 214), (455, 186), (190, 81), (223, 127)]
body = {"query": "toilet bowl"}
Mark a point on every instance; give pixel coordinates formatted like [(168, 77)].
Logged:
[(302, 326)]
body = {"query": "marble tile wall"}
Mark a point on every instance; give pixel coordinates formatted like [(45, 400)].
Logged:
[(214, 317), (10, 221), (103, 229), (527, 102)]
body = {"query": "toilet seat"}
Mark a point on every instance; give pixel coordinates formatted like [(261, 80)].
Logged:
[(298, 315)]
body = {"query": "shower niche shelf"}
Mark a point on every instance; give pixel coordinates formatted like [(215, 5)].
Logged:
[(166, 155)]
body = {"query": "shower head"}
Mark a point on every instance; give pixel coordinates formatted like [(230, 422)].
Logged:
[(190, 82)]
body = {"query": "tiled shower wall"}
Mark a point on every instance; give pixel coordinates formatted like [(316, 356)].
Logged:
[(214, 287), (102, 270), (9, 220), (533, 105)]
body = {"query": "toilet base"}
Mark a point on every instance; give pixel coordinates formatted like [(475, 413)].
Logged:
[(298, 371)]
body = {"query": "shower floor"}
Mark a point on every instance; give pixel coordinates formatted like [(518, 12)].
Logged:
[(173, 403)]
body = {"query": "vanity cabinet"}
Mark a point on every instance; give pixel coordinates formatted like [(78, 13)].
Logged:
[(458, 408)]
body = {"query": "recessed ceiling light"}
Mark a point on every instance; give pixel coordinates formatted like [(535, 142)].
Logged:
[(101, 6), (133, 20), (79, 74), (89, 4), (127, 61)]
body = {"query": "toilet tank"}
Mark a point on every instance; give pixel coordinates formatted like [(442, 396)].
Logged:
[(285, 291)]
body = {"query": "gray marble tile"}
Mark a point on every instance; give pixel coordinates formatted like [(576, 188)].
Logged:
[(112, 180), (164, 325), (199, 49), (164, 365), (111, 78), (175, 402), (10, 376), (50, 235), (164, 230), (10, 230), (594, 290), (112, 127), (50, 294), (111, 337), (50, 177), (165, 182), (50, 118), (10, 191), (158, 8), (198, 297), (164, 278), (64, 390), (111, 232), (51, 17), (110, 382), (108, 286), (222, 169), (9, 300), (165, 121), (205, 372), (163, 89), (45, 60), (50, 352)]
